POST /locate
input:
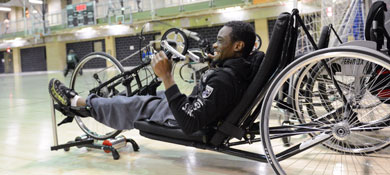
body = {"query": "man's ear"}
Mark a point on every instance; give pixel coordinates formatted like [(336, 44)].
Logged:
[(238, 46)]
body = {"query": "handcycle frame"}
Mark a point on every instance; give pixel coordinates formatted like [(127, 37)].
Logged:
[(244, 127)]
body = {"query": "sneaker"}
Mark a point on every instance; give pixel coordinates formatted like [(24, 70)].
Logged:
[(60, 93)]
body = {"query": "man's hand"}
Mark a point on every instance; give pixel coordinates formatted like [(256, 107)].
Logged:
[(162, 67), (214, 56)]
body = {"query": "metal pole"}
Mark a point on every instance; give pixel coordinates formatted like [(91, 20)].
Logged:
[(295, 5), (109, 11), (152, 9), (24, 17), (43, 16), (54, 123), (181, 6)]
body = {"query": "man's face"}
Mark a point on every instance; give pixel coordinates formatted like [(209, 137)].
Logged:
[(223, 48)]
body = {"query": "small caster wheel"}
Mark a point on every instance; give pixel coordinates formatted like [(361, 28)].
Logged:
[(115, 155)]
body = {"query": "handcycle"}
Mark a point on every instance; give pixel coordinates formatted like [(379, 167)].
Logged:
[(106, 77), (357, 134)]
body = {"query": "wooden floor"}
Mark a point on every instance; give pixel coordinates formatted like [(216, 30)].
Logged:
[(26, 131)]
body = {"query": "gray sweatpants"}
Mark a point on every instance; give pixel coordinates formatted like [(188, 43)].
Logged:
[(121, 112)]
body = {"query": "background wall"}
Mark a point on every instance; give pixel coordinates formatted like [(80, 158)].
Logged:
[(125, 44), (33, 59)]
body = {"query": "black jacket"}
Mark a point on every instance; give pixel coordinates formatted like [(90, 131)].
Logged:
[(219, 91)]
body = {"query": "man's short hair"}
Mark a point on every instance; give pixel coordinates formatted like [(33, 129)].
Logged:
[(242, 31)]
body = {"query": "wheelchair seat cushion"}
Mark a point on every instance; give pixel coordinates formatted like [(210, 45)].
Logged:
[(176, 133)]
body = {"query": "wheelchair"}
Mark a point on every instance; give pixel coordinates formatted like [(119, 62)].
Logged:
[(333, 101)]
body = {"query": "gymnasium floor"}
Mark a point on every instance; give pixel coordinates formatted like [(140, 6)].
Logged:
[(26, 131)]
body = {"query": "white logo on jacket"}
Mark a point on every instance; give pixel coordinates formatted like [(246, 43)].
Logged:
[(188, 108), (207, 92)]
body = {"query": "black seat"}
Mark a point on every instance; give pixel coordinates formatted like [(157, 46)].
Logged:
[(218, 134), (149, 128), (283, 36)]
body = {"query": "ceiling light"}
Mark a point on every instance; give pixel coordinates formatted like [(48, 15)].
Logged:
[(229, 9), (35, 1), (7, 9)]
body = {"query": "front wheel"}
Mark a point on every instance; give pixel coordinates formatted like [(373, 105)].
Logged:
[(97, 68), (349, 138)]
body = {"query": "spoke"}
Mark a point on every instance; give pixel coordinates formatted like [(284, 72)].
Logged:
[(365, 115), (382, 121), (288, 107), (372, 138), (175, 37), (171, 40)]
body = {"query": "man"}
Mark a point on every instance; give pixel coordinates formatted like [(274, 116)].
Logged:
[(71, 62), (218, 92), (6, 24)]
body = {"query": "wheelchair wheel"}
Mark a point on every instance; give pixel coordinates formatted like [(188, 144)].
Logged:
[(314, 89), (191, 72), (187, 72), (350, 139), (97, 68)]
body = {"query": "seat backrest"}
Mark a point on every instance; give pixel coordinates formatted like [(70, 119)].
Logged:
[(267, 68), (375, 23), (323, 42), (256, 58)]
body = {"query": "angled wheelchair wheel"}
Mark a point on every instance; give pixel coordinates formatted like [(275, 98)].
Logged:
[(344, 136), (314, 89), (177, 39), (191, 72), (187, 72), (97, 68)]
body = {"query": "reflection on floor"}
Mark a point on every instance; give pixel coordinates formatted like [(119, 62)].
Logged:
[(26, 130)]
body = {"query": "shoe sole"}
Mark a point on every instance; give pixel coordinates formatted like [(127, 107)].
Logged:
[(53, 93)]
